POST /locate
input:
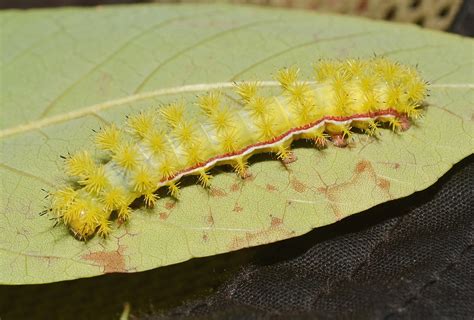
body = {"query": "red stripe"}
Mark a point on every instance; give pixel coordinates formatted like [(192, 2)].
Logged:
[(376, 114)]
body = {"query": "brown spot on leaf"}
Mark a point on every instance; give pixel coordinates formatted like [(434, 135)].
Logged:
[(163, 215), (237, 208), (210, 218), (384, 184), (276, 231), (217, 192), (276, 222), (48, 259), (337, 193), (392, 165), (249, 177), (271, 187), (298, 186), (110, 261), (362, 166), (170, 205), (235, 187), (205, 237)]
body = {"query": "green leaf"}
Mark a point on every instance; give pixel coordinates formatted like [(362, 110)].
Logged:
[(66, 72)]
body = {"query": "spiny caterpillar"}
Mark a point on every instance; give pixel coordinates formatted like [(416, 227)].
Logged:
[(158, 147)]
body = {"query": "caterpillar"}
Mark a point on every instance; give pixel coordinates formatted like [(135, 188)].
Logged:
[(157, 147)]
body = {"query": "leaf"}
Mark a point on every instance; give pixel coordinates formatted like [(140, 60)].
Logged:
[(66, 72)]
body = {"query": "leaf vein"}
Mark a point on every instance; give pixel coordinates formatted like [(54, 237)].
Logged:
[(195, 45), (95, 108), (127, 43), (298, 46), (26, 174)]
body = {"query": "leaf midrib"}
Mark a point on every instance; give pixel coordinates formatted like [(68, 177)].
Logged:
[(96, 108)]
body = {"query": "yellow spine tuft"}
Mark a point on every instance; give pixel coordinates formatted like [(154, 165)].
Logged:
[(124, 213), (84, 217), (346, 131), (104, 227), (150, 199), (184, 132), (416, 89), (144, 180), (210, 102), (306, 111), (221, 119), (324, 70), (108, 138), (228, 140), (370, 127), (70, 212), (265, 127), (321, 139), (341, 101), (258, 106), (174, 189), (367, 84), (95, 181), (299, 92), (369, 101), (194, 154), (141, 124), (126, 155), (73, 211), (395, 124), (114, 198), (318, 136), (156, 141), (241, 167), (337, 129), (393, 96), (167, 168), (62, 199), (80, 164), (283, 152), (412, 109), (354, 67), (373, 129), (287, 77), (173, 114), (247, 90), (205, 178), (389, 70)]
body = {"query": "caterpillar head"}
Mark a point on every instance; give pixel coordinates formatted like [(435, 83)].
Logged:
[(83, 214)]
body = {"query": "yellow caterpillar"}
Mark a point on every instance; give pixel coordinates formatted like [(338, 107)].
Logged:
[(156, 148)]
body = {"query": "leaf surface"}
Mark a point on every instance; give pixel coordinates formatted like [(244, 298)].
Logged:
[(66, 72)]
